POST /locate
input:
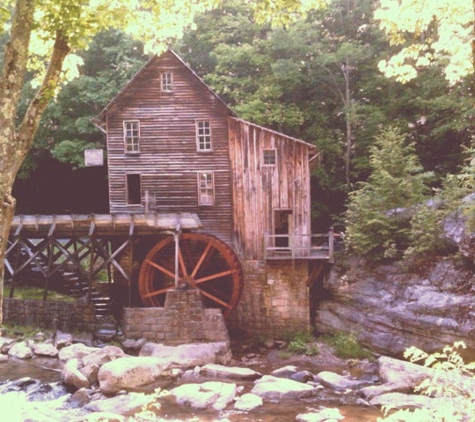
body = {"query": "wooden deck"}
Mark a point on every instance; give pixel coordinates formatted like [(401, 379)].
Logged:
[(294, 247)]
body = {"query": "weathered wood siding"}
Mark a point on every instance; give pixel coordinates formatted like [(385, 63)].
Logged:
[(168, 161), (259, 190)]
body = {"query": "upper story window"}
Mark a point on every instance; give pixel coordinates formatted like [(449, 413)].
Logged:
[(203, 135), (166, 82), (269, 157), (205, 188), (132, 136)]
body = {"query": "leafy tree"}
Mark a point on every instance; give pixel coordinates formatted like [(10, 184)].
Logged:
[(380, 211), (437, 32)]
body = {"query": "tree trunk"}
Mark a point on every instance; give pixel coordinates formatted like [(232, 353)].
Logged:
[(16, 142), (349, 118), (11, 82)]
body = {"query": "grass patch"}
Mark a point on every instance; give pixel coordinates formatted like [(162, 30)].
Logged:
[(8, 330), (346, 346), (36, 293)]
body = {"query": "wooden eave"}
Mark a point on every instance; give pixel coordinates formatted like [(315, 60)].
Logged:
[(101, 116), (290, 138)]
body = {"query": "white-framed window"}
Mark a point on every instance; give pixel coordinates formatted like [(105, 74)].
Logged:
[(205, 188), (133, 188), (203, 135), (269, 157), (132, 136), (166, 82)]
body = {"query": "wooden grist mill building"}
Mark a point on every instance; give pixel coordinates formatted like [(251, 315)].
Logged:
[(209, 201)]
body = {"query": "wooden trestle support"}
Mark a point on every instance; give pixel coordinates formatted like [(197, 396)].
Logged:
[(163, 246)]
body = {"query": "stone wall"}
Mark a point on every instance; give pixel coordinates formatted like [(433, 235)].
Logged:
[(182, 320), (65, 316), (275, 299)]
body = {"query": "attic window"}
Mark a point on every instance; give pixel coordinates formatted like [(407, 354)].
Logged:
[(166, 82), (203, 135), (132, 136), (205, 188), (269, 157)]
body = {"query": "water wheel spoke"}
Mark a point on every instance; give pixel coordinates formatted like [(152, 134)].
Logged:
[(215, 276), (160, 268), (216, 299), (182, 262), (157, 292), (201, 260)]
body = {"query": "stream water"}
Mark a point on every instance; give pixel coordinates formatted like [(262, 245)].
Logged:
[(31, 391)]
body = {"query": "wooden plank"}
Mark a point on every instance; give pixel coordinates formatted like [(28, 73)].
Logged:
[(104, 224)]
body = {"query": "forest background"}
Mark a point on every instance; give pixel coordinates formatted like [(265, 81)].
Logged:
[(316, 79)]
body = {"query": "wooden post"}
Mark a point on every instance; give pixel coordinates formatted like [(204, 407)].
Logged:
[(176, 236), (331, 246)]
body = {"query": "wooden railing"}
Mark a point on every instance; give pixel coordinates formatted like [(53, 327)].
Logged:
[(304, 246)]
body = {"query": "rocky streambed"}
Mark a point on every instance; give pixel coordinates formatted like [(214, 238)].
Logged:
[(142, 381)]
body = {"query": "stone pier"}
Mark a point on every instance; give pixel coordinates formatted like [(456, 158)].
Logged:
[(182, 320)]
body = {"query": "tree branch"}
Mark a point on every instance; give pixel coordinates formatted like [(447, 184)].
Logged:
[(31, 120), (14, 62)]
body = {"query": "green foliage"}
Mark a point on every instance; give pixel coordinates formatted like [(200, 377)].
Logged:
[(380, 212), (454, 393), (426, 234), (447, 27), (303, 343), (346, 346)]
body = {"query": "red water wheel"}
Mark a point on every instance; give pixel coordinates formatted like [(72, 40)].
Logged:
[(204, 262)]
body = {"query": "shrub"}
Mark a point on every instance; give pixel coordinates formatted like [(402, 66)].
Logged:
[(379, 211), (303, 343), (346, 346), (456, 396)]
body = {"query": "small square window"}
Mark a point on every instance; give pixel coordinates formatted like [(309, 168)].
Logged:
[(205, 188), (203, 135), (269, 157), (166, 82), (132, 137)]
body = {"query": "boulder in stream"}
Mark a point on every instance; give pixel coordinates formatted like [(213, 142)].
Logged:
[(190, 355), (128, 373), (336, 381), (20, 351), (208, 394), (248, 402), (275, 389), (45, 349), (231, 372)]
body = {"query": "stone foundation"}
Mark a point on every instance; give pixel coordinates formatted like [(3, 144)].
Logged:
[(182, 320), (65, 316), (275, 300)]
